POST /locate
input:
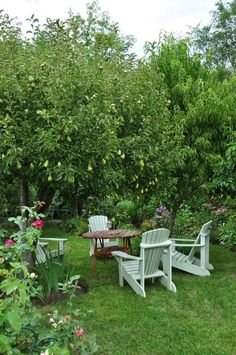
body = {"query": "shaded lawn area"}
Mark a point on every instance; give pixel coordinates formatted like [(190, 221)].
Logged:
[(199, 319)]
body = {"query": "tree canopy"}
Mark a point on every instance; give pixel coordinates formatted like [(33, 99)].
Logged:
[(81, 114)]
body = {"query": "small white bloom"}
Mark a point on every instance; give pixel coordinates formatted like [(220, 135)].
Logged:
[(51, 320), (32, 275), (60, 321), (45, 352), (54, 325)]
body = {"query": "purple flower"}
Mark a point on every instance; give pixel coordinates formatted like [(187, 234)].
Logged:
[(162, 211)]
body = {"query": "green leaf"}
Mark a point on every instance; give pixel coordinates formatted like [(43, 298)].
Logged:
[(20, 266), (10, 286), (23, 296), (14, 319), (74, 278), (4, 343)]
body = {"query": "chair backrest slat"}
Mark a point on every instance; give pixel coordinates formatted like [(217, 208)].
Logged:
[(205, 231), (97, 223), (152, 256)]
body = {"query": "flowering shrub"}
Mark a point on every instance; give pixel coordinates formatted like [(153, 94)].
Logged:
[(162, 216), (18, 317), (162, 211), (17, 286), (9, 242), (16, 309), (11, 252), (37, 224), (30, 226), (71, 335)]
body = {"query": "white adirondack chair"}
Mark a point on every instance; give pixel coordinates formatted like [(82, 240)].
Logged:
[(42, 252), (190, 263), (135, 270), (99, 223)]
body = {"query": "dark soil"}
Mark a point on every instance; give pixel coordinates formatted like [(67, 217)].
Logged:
[(57, 296)]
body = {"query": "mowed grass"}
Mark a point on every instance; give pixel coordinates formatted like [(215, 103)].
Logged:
[(199, 319)]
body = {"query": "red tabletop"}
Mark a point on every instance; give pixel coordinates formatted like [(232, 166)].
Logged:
[(123, 234), (111, 234)]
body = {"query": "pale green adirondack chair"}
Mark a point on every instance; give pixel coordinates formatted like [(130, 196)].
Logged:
[(42, 252), (99, 223), (190, 263), (135, 270)]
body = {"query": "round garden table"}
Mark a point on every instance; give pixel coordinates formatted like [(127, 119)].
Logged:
[(123, 234)]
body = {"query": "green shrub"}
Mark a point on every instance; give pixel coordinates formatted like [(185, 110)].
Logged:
[(227, 233), (96, 206), (128, 226), (76, 225), (148, 224), (135, 242), (50, 274), (147, 212), (126, 212)]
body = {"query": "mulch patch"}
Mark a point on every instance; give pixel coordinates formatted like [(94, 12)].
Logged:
[(57, 296)]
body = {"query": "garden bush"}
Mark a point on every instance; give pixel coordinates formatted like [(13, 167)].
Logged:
[(227, 234), (76, 225), (126, 212), (20, 331)]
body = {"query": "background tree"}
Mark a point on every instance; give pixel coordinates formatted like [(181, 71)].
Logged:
[(217, 41), (56, 103), (201, 130)]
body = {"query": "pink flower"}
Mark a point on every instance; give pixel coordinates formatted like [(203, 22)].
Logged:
[(37, 224), (9, 242), (67, 318), (79, 332)]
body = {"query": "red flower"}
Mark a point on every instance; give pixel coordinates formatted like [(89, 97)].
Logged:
[(37, 224), (79, 332), (9, 242)]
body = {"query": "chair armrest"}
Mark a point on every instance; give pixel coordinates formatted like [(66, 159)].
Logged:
[(189, 245), (184, 240), (164, 244), (53, 239), (121, 254), (43, 244)]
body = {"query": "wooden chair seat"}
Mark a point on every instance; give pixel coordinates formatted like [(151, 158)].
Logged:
[(190, 263), (135, 270)]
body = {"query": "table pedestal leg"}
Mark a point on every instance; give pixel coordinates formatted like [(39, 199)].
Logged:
[(93, 256), (93, 262), (129, 245)]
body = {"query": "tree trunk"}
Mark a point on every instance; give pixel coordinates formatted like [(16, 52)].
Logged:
[(78, 208), (24, 201), (28, 257), (172, 220), (24, 195)]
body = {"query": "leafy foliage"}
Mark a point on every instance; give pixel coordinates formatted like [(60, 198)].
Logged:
[(218, 39), (77, 225), (100, 126)]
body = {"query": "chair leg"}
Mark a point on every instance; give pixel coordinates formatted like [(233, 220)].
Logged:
[(121, 279), (204, 252), (167, 265), (166, 279), (165, 282)]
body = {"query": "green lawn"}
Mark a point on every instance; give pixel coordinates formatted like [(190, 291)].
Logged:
[(199, 319)]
